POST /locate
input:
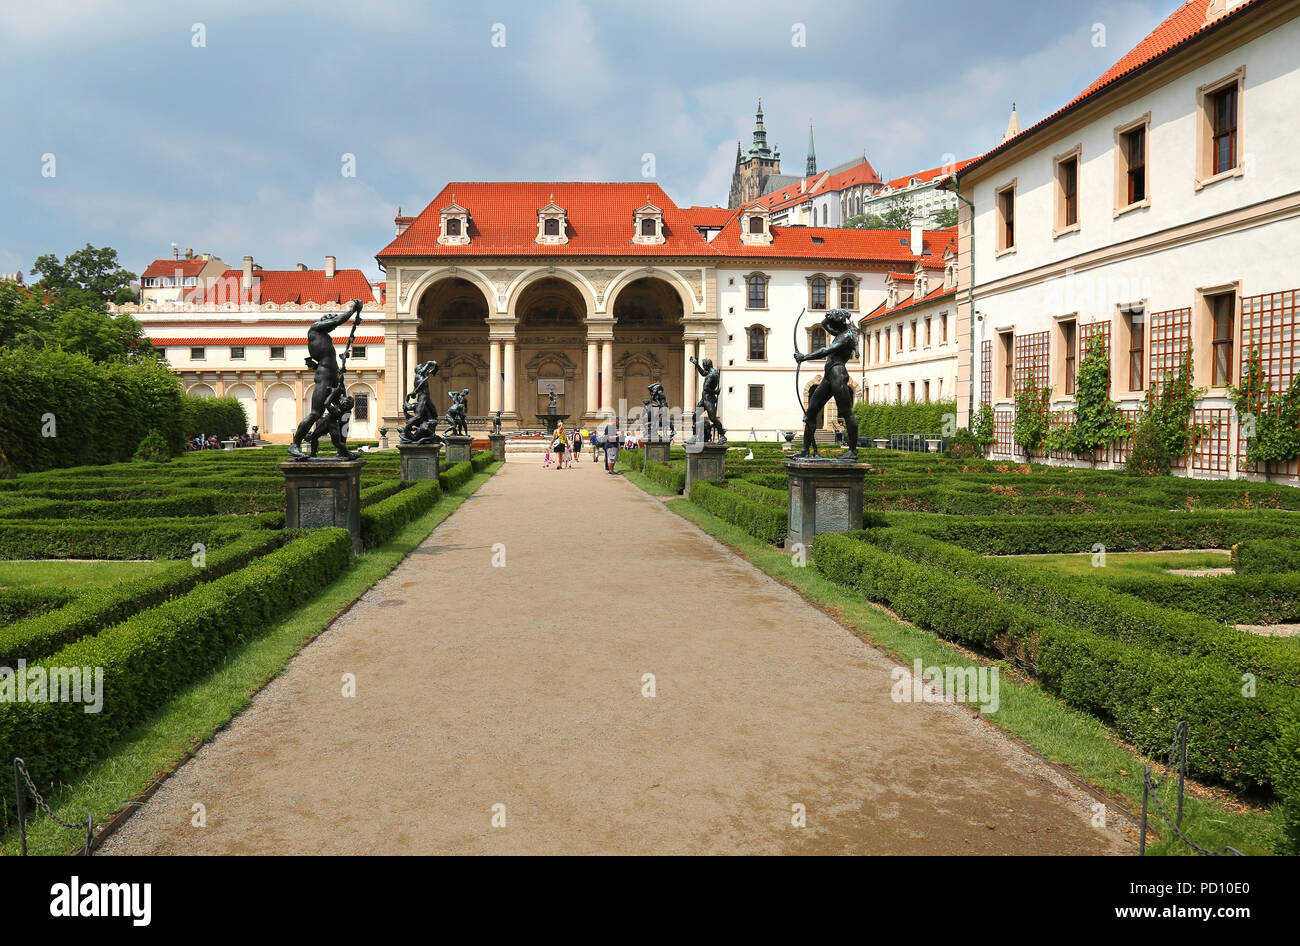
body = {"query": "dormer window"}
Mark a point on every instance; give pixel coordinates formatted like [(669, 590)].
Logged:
[(552, 225), (649, 224), (455, 224), (891, 296), (755, 227), (950, 276)]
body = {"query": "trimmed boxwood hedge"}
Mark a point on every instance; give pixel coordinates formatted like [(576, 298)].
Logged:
[(220, 417), (42, 634), (149, 657), (760, 520), (1046, 534), (88, 538), (382, 520), (1232, 599), (19, 603), (760, 494), (455, 476), (1262, 556), (1286, 782), (1142, 692), (1104, 612)]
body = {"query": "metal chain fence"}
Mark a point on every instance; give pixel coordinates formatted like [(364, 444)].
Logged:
[(23, 777), (1151, 793)]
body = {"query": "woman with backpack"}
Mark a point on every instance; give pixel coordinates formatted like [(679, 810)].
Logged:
[(557, 444)]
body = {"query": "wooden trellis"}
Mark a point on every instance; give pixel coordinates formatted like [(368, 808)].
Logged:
[(1031, 359), (1004, 423), (1270, 324), (986, 373)]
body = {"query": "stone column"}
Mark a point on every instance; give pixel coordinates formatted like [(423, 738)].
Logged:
[(607, 373), (509, 399), (593, 368), (494, 376), (688, 377)]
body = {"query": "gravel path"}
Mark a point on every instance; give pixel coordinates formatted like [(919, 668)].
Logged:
[(522, 686)]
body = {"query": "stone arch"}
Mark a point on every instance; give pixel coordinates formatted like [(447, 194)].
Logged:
[(245, 395), (519, 288), (552, 363), (435, 276), (281, 409), (626, 278), (634, 372), (201, 389), (458, 371), (824, 414), (357, 428)]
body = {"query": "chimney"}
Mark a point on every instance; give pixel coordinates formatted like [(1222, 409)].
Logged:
[(248, 273), (207, 257), (918, 243), (176, 252), (189, 253), (330, 264), (302, 267)]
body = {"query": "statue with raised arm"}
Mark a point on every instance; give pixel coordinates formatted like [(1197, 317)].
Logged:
[(710, 390), (329, 390), (421, 415), (841, 347), (457, 418), (656, 413)]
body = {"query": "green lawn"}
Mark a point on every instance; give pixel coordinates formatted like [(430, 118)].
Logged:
[(74, 576), (1129, 563)]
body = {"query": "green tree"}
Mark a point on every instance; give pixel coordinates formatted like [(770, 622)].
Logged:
[(865, 222), (945, 218), (1097, 419), (89, 276), (97, 334), (898, 215)]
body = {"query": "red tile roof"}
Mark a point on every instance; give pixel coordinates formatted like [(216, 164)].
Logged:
[(925, 177), (282, 286), (820, 183), (503, 221), (880, 312), (877, 246), (170, 267), (709, 216), (1182, 27), (340, 339)]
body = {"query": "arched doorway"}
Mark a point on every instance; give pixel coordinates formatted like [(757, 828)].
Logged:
[(551, 337), (245, 396), (454, 332), (201, 390), (648, 342), (281, 410)]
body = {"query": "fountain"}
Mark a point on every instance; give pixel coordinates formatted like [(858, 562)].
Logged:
[(551, 418)]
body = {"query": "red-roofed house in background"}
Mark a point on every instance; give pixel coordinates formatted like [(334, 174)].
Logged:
[(243, 333), (601, 289), (918, 191), (1159, 211)]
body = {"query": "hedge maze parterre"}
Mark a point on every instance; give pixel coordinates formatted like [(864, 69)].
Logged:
[(227, 569), (1140, 650)]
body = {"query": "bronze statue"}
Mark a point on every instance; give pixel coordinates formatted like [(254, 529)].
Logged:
[(552, 404), (708, 405), (421, 415), (655, 413), (338, 411), (842, 346), (496, 423), (330, 387), (457, 418)]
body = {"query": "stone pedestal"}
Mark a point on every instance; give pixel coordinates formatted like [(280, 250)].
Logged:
[(705, 461), (825, 496), (498, 442), (657, 451), (458, 449), (419, 460), (320, 494)]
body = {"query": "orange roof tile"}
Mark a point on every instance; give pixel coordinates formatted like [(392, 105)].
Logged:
[(282, 286), (172, 267), (877, 246), (880, 312), (1185, 25), (925, 177)]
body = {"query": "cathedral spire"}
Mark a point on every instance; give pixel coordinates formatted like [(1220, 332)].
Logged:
[(811, 167), (1013, 124), (759, 148)]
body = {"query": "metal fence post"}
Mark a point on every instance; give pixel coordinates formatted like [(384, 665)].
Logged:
[(22, 826), (1142, 828)]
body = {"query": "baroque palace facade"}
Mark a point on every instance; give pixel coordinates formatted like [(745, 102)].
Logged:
[(1160, 211), (598, 290)]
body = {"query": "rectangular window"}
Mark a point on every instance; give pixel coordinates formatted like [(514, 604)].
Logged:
[(1135, 322), (848, 294), (1133, 166), (898, 393), (943, 328), (756, 396), (911, 391), (236, 352), (913, 334), (1223, 121), (1070, 349), (1006, 218), (757, 292), (900, 338), (1007, 340), (1223, 310), (1067, 192), (277, 351), (927, 392), (927, 331), (361, 407), (197, 354), (358, 351)]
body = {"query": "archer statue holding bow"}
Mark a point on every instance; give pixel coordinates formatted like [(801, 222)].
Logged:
[(842, 346), (329, 399)]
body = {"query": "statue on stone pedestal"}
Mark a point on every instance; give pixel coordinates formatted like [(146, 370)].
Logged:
[(552, 404), (843, 345), (655, 413), (327, 409), (496, 423), (421, 415), (457, 418), (709, 393)]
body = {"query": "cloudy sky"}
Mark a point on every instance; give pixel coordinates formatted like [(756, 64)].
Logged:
[(223, 126)]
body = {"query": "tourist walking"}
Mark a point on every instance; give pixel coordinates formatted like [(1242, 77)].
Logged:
[(558, 444), (611, 447), (577, 446)]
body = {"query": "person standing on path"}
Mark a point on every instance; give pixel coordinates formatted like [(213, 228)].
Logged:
[(558, 443), (611, 447)]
